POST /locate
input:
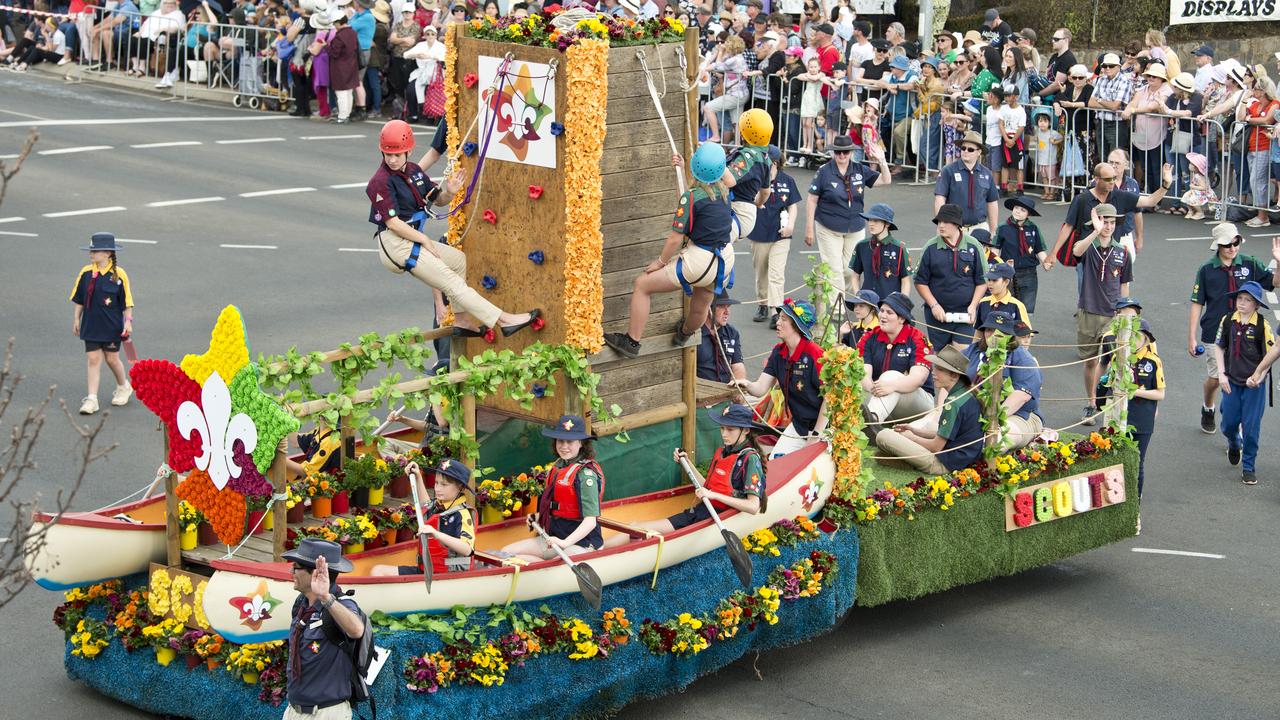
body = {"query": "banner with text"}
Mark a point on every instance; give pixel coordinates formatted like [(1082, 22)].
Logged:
[(1183, 12)]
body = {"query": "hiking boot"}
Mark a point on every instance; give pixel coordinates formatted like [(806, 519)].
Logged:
[(121, 395), (1208, 424), (1233, 455), (773, 321), (1249, 478), (1089, 418), (762, 314), (623, 344), (89, 405), (679, 337)]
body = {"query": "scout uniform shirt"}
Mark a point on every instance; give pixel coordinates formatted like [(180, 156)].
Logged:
[(840, 197), (1009, 305), (399, 194), (1024, 375), (969, 189), (749, 166), (951, 274), (1105, 270), (799, 377), (1243, 345), (711, 363), (882, 264), (900, 354), (785, 193), (1148, 374), (860, 328), (104, 298), (959, 425), (319, 670), (1020, 244), (705, 220), (1214, 284)]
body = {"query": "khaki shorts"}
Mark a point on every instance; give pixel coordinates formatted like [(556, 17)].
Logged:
[(1089, 331), (1211, 363), (699, 266)]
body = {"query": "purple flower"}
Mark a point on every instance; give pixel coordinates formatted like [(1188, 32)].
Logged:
[(488, 282), (469, 148), (539, 390)]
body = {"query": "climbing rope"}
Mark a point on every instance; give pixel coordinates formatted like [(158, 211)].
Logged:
[(657, 104)]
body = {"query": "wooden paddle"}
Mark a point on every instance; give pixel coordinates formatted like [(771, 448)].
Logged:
[(415, 474), (737, 553), (384, 425), (589, 583)]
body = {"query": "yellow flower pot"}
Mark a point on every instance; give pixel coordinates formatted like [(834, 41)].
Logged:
[(353, 548), (490, 515), (165, 655), (375, 496), (269, 522), (250, 678), (189, 539)]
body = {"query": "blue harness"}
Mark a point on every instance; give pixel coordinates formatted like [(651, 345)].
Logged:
[(417, 222), (721, 283)]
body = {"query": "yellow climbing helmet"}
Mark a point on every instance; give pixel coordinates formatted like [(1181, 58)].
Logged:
[(756, 127)]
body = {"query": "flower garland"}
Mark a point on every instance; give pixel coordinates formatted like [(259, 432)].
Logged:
[(539, 31), (585, 122), (784, 533), (842, 373), (1119, 371), (453, 138)]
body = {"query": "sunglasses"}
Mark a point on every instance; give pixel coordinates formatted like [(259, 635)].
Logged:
[(1058, 39), (968, 148), (1105, 178), (297, 567), (1109, 67), (962, 61), (1079, 77), (1233, 244), (841, 152)]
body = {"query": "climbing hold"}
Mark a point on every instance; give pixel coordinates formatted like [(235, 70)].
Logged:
[(537, 257), (557, 128), (535, 192), (538, 389), (469, 148), (490, 217), (488, 282), (470, 80)]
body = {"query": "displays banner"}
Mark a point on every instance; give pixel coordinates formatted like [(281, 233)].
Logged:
[(1184, 12)]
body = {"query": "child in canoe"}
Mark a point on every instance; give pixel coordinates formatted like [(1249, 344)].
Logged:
[(570, 505), (735, 479), (450, 527)]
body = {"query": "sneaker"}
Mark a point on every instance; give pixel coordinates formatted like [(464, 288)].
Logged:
[(1256, 222), (121, 395), (65, 60), (623, 344), (1233, 456), (762, 314), (89, 405), (773, 321), (1249, 478), (1089, 418), (1208, 423)]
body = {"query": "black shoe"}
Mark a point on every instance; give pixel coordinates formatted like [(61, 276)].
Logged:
[(462, 332), (1207, 422), (1090, 417), (773, 321), (679, 337), (762, 314), (623, 344), (1249, 478), (1233, 456), (535, 320), (300, 112)]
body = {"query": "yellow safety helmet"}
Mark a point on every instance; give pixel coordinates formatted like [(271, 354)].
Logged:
[(756, 127)]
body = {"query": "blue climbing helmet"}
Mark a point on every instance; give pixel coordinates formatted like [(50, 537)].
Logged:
[(708, 162)]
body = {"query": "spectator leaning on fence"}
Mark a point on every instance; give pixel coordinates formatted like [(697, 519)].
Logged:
[(1259, 116)]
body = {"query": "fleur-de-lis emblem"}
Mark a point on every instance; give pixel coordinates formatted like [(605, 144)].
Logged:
[(218, 430), (256, 607), (444, 464)]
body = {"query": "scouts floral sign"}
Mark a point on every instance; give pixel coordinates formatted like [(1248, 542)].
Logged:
[(222, 429)]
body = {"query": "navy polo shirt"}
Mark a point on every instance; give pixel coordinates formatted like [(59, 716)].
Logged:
[(1104, 271), (952, 274), (971, 190), (398, 194), (900, 354), (440, 140), (1020, 247), (102, 319), (705, 220), (750, 169), (1026, 377), (1214, 282), (711, 364), (1079, 212), (1009, 305), (853, 338), (882, 264), (798, 375), (1148, 374), (959, 425), (840, 197), (785, 194), (325, 676)]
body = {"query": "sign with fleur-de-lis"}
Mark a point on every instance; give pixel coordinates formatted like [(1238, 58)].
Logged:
[(218, 430)]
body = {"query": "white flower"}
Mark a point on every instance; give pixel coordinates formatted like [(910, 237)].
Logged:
[(218, 430)]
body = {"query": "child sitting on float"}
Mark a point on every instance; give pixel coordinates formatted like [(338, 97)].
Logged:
[(451, 527), (864, 304), (569, 508), (735, 478), (319, 451)]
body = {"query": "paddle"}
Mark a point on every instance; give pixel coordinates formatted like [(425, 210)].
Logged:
[(589, 583), (737, 553), (415, 474), (384, 425)]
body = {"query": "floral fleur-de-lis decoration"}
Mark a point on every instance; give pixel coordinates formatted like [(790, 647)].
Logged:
[(218, 430), (256, 607)]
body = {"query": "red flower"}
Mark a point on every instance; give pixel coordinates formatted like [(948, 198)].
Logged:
[(490, 217), (470, 80), (535, 192)]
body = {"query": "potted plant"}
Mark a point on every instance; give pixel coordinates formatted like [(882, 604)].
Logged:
[(320, 489), (211, 648), (341, 493), (158, 637), (408, 523), (248, 661), (352, 532), (398, 487), (365, 476), (388, 521), (185, 645), (255, 518), (189, 519), (377, 540), (295, 506)]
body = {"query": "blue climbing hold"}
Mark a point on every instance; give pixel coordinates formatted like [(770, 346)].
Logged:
[(537, 257)]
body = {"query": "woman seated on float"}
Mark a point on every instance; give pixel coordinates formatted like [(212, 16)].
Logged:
[(1022, 405), (957, 442), (735, 479), (569, 508), (896, 382), (451, 527), (795, 366)]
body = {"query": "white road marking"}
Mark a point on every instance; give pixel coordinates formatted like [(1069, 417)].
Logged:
[(24, 115), (1185, 239), (136, 241), (90, 211), (176, 143), (246, 141), (357, 249), (139, 121), (249, 247), (15, 218), (70, 150), (331, 137), (808, 252), (18, 234), (9, 157), (279, 191), (187, 201), (348, 186), (1181, 553)]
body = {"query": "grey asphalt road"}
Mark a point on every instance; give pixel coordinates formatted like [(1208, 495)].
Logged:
[(1109, 634)]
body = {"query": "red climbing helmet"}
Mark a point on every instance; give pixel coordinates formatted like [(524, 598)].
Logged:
[(396, 137)]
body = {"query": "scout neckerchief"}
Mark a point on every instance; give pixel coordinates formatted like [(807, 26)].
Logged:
[(875, 255), (1238, 329), (295, 638), (1231, 282), (786, 372), (1103, 260), (955, 251), (1021, 228), (418, 199)]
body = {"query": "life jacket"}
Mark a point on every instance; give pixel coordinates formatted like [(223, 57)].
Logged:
[(561, 498), (442, 559), (727, 475)]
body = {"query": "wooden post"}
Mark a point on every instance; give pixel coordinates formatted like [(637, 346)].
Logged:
[(689, 434), (689, 356), (279, 476), (173, 547)]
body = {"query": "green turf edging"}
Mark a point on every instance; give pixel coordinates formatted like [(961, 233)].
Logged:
[(904, 559)]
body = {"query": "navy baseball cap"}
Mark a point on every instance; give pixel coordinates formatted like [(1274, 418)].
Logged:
[(1000, 270)]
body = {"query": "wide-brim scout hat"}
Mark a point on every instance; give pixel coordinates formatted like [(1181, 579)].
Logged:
[(842, 143), (733, 415), (1003, 322), (950, 214), (802, 315), (102, 241), (454, 470), (1000, 270), (1224, 234), (881, 212), (971, 138), (569, 427), (723, 299), (900, 304), (311, 549), (1253, 289), (972, 36), (863, 297), (951, 359), (1023, 201)]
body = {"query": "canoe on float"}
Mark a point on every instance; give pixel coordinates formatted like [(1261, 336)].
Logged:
[(240, 591), (88, 547)]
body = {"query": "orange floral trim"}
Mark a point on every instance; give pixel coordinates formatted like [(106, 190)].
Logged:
[(584, 123), (842, 371), (453, 139), (225, 509)]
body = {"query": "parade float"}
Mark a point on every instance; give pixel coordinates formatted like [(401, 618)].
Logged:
[(565, 125)]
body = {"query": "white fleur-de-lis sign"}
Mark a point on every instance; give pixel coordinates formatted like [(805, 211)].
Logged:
[(218, 430)]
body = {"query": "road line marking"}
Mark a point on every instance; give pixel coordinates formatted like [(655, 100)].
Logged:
[(1182, 553), (23, 115), (808, 252), (15, 218), (176, 143), (246, 141), (331, 137), (188, 201), (348, 186), (139, 121), (9, 157), (1184, 239), (280, 191), (136, 241), (249, 247), (68, 151), (357, 249), (90, 211), (18, 234)]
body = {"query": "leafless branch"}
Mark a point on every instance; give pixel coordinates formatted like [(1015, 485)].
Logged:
[(8, 171)]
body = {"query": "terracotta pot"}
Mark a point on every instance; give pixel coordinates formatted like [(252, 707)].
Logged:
[(193, 661), (165, 655), (399, 488), (360, 497), (390, 537), (375, 496), (404, 534), (189, 538), (253, 521), (205, 534), (341, 502), (296, 514), (321, 507)]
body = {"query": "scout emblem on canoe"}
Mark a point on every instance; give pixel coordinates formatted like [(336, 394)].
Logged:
[(256, 607)]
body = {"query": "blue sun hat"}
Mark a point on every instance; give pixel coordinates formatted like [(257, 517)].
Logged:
[(1254, 290), (802, 315), (863, 297), (708, 162), (102, 241), (569, 427), (733, 415), (454, 470)]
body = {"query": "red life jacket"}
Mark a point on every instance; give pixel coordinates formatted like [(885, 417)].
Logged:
[(560, 498), (727, 475), (437, 550)]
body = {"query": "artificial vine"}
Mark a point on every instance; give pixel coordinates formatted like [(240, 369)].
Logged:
[(823, 295), (993, 387), (1119, 375)]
